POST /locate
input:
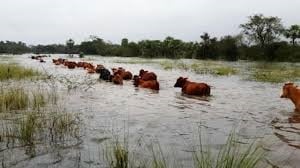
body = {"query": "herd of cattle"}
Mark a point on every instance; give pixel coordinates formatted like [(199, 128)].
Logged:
[(149, 80), (144, 79)]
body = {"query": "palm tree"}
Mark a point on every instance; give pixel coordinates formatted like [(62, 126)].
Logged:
[(293, 33)]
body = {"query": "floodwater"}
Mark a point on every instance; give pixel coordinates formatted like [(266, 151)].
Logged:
[(253, 109)]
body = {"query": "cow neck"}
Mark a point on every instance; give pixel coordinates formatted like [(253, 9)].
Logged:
[(293, 94), (186, 83)]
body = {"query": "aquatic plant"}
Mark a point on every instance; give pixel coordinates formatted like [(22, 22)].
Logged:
[(14, 98), (167, 65), (135, 61), (38, 100), (117, 155), (16, 72), (32, 128), (231, 155), (274, 73), (200, 67)]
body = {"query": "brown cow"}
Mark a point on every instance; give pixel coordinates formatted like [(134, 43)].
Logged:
[(88, 65), (91, 70), (70, 64), (80, 64), (117, 79), (145, 75), (98, 68), (292, 92), (150, 84), (126, 75), (61, 61), (192, 88)]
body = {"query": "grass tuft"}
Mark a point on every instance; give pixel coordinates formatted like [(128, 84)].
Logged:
[(16, 72), (231, 155), (13, 99), (117, 155), (35, 128)]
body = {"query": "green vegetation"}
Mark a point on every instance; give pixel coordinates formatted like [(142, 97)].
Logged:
[(37, 127), (38, 100), (13, 99), (136, 61), (17, 98), (231, 155), (293, 33), (16, 72), (13, 47), (262, 30), (275, 73), (117, 155), (201, 67), (259, 40), (32, 118)]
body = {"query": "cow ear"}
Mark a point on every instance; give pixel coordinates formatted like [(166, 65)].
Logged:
[(185, 78)]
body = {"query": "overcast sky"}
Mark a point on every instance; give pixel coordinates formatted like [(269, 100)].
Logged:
[(53, 21)]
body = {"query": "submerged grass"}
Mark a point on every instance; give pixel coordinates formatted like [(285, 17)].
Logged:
[(16, 72), (201, 67), (35, 128), (275, 73), (15, 98), (135, 61), (117, 155), (231, 155)]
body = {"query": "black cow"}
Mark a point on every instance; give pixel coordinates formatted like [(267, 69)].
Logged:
[(105, 74)]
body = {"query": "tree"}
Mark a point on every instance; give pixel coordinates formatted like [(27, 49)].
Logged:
[(124, 42), (293, 33), (228, 47), (262, 30), (172, 47), (70, 45), (207, 48)]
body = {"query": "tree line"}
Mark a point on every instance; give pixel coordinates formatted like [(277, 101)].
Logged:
[(262, 38)]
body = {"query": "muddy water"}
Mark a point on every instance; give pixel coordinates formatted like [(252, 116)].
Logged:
[(253, 109)]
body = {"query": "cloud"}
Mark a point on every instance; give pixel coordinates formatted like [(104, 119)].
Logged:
[(54, 21)]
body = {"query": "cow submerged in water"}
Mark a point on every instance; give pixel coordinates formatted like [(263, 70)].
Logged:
[(125, 75), (145, 75), (292, 91), (192, 88), (150, 84)]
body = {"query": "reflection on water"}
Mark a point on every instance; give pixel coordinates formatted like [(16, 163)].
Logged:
[(168, 115), (294, 118)]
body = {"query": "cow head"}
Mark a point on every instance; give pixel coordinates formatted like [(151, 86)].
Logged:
[(180, 82), (286, 90)]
